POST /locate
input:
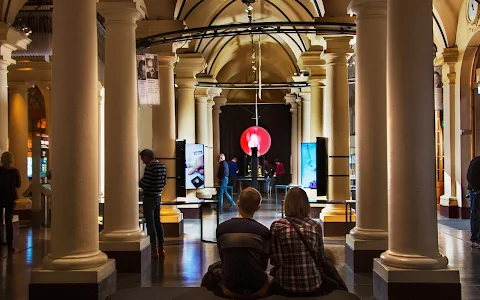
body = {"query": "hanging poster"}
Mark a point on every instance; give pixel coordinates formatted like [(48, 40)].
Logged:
[(147, 78)]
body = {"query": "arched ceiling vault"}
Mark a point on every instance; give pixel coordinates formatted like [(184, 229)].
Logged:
[(446, 14)]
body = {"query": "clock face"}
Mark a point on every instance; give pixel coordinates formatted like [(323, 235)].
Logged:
[(472, 10)]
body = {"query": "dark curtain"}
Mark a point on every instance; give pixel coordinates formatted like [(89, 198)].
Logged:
[(275, 118)]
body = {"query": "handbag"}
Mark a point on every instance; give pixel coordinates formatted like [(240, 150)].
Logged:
[(331, 279)]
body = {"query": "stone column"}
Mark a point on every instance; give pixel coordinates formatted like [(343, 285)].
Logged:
[(164, 137), (122, 235), (75, 262), (18, 131), (187, 68), (370, 236), (201, 132), (292, 101), (412, 224), (316, 68), (210, 170), (451, 138), (219, 102), (306, 113), (299, 139), (11, 40), (338, 134)]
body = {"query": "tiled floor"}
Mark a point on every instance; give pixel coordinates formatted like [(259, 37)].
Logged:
[(188, 259)]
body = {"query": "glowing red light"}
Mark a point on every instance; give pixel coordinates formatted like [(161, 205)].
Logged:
[(255, 136)]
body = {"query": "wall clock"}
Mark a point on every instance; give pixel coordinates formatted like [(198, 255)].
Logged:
[(472, 10)]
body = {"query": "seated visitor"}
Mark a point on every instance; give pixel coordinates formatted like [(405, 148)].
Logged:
[(243, 244), (297, 260)]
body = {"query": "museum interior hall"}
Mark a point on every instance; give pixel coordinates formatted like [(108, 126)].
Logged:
[(122, 117)]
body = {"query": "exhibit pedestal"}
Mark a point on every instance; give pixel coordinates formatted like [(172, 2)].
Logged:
[(337, 225), (449, 207), (130, 256), (88, 284), (391, 283), (359, 254), (172, 223)]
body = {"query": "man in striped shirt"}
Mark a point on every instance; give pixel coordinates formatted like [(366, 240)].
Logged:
[(152, 184)]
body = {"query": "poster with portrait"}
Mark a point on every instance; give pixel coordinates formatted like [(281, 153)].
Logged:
[(194, 166), (147, 78)]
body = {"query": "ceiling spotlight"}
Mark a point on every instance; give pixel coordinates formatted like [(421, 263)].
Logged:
[(26, 30)]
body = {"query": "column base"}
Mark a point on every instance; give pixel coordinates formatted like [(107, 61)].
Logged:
[(89, 284), (130, 256), (173, 229), (335, 226), (449, 207), (391, 283), (359, 254)]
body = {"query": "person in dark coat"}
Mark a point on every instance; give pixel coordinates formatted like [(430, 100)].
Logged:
[(473, 178), (10, 181)]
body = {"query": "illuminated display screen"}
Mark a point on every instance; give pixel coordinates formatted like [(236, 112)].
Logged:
[(194, 166), (309, 165)]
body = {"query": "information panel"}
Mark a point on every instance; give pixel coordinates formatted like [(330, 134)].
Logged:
[(194, 166)]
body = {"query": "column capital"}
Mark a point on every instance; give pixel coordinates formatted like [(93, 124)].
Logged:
[(167, 60), (186, 83), (312, 61), (19, 86), (368, 9), (121, 12), (448, 59), (201, 95), (338, 47), (306, 97), (219, 102), (147, 28), (291, 99), (10, 40), (189, 65)]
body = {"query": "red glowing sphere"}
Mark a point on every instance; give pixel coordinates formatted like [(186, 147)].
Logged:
[(255, 136)]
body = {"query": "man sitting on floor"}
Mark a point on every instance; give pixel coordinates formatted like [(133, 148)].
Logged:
[(243, 244)]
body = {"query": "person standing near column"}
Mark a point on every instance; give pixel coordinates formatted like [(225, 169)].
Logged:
[(473, 177), (10, 181), (152, 184), (223, 179)]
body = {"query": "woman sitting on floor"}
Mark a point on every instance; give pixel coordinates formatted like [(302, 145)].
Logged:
[(300, 266)]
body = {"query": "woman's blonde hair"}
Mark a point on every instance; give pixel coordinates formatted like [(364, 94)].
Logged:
[(7, 160), (296, 203)]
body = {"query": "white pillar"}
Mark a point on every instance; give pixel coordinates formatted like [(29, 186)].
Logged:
[(316, 114), (187, 68), (299, 139), (165, 135), (292, 101), (18, 131), (219, 102), (306, 112), (3, 106), (412, 224), (74, 235), (11, 40), (338, 131), (371, 232), (121, 229), (451, 138), (201, 131), (209, 168)]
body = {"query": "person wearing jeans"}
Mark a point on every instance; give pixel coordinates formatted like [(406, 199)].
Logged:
[(222, 175), (152, 184), (473, 178)]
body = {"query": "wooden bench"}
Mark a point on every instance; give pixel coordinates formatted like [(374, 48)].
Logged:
[(198, 293)]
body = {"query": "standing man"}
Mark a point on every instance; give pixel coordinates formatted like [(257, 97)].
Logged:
[(279, 172), (233, 170), (152, 184), (223, 178), (473, 178)]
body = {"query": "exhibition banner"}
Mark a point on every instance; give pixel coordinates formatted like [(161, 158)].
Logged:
[(147, 78)]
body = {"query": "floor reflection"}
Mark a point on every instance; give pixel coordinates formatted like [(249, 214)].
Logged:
[(187, 259)]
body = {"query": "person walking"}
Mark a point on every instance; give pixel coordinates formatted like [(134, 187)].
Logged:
[(153, 181), (233, 170), (223, 178), (10, 181), (473, 178)]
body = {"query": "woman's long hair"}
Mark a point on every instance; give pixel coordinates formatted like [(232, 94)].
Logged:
[(7, 160)]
